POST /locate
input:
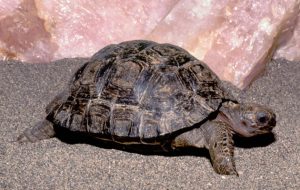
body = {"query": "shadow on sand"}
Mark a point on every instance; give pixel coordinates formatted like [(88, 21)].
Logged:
[(79, 138)]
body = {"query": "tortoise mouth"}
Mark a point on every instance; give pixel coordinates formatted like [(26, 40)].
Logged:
[(267, 129), (250, 132)]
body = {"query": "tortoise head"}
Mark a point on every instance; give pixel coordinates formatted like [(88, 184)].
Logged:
[(250, 119)]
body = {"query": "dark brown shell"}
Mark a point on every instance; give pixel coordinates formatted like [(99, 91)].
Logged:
[(138, 91)]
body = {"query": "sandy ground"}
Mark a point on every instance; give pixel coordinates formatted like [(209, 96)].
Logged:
[(268, 162)]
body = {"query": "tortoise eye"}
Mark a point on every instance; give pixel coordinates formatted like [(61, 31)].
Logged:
[(262, 117)]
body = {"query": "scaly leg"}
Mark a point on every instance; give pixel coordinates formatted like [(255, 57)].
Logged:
[(216, 136), (220, 145)]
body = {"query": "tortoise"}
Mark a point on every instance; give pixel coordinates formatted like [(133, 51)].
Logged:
[(143, 92)]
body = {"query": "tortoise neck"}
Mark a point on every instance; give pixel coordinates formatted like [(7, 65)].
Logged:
[(228, 112)]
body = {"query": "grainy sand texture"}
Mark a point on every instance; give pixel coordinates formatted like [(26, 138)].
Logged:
[(269, 162)]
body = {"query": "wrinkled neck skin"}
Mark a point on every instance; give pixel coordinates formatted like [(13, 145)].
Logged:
[(230, 113)]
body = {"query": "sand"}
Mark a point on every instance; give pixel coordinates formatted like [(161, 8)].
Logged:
[(268, 162)]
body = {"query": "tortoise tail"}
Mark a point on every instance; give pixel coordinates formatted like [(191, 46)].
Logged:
[(42, 130)]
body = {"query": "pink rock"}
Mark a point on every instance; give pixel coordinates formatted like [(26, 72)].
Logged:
[(289, 44), (23, 35), (235, 38), (82, 27)]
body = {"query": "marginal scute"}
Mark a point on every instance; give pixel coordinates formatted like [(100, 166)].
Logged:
[(150, 125), (76, 122), (97, 117), (169, 124), (62, 117), (124, 122)]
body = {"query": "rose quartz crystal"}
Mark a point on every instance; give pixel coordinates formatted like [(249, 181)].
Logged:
[(235, 38)]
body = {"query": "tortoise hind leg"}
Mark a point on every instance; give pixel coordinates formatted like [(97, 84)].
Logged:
[(217, 138), (42, 130)]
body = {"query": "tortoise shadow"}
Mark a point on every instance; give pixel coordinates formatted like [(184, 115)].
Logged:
[(70, 137), (256, 141)]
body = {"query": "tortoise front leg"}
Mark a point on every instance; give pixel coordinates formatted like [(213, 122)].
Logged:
[(220, 146), (216, 136)]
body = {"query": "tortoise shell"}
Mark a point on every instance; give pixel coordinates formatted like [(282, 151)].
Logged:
[(138, 92)]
